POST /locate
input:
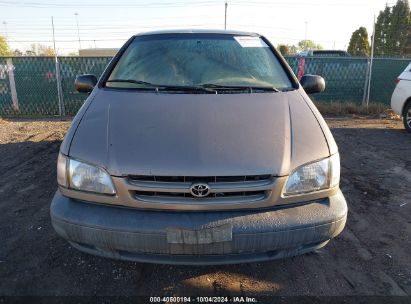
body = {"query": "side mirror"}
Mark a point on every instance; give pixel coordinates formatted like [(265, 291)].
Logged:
[(312, 84), (85, 83)]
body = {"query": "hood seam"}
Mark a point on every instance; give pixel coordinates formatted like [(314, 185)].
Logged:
[(78, 125), (319, 124)]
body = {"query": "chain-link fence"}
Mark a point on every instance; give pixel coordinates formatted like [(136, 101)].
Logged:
[(346, 78), (31, 86)]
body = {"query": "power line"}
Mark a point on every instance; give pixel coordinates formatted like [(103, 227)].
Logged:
[(293, 4), (179, 3), (104, 5), (45, 41), (27, 30), (129, 28), (125, 38), (225, 15)]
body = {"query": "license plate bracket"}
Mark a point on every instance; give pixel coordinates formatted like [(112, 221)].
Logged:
[(217, 234)]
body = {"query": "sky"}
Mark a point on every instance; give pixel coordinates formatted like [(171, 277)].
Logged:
[(108, 24)]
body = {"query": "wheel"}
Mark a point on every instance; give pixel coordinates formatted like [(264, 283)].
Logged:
[(407, 117)]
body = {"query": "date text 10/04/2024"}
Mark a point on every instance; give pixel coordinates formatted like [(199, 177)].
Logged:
[(198, 299)]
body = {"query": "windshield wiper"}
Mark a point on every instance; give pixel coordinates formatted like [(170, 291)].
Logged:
[(165, 87), (232, 87), (132, 81), (189, 88), (207, 87)]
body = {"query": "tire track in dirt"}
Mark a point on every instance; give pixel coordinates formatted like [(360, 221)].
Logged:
[(31, 151), (373, 189)]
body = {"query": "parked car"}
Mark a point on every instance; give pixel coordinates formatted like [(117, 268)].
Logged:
[(198, 147), (324, 53), (401, 97)]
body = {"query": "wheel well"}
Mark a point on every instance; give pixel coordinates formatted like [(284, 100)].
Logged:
[(408, 101)]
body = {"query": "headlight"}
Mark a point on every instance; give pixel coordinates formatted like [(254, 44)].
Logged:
[(62, 170), (314, 176), (77, 175)]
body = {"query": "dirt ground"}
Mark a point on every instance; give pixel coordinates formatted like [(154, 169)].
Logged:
[(371, 257)]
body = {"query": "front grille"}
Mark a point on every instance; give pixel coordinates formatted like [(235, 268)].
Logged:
[(207, 179), (177, 189), (178, 194)]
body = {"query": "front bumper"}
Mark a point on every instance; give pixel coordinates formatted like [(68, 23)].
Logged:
[(143, 235)]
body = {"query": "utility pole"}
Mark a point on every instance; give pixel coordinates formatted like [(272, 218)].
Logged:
[(78, 31), (54, 38), (306, 30), (305, 35), (5, 30), (225, 15), (58, 78)]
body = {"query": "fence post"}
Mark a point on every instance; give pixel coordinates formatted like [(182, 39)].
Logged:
[(367, 73), (62, 111), (371, 62), (10, 71)]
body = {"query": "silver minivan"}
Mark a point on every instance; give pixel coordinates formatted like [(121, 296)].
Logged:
[(198, 147)]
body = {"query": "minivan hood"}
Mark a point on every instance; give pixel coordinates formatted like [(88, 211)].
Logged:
[(135, 133)]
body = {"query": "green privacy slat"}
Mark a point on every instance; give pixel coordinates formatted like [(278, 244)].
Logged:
[(70, 67), (344, 77), (36, 84), (384, 74), (5, 94)]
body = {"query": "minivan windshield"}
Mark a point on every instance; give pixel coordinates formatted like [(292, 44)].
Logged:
[(198, 60)]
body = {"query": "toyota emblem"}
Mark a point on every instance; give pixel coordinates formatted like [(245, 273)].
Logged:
[(200, 189)]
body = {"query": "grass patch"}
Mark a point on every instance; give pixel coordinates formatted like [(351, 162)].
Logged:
[(332, 108), (345, 108)]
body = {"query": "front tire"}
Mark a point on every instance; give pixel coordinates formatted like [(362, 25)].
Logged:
[(407, 117)]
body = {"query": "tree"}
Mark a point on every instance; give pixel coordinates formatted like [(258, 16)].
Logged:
[(308, 45), (284, 49), (4, 47), (37, 49), (382, 32), (44, 50), (407, 46), (30, 53), (400, 23), (287, 49), (392, 30), (359, 45), (17, 52)]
